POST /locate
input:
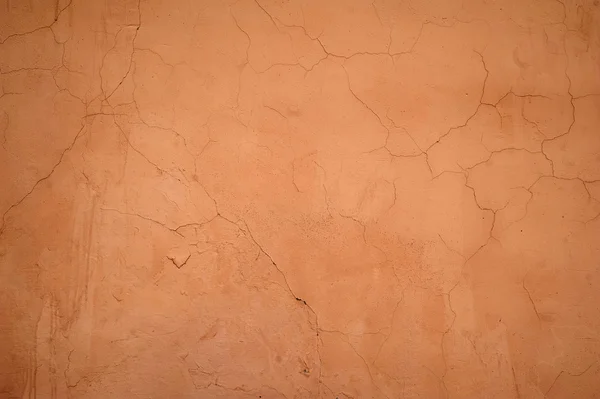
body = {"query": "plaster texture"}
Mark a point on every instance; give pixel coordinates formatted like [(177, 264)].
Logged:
[(300, 199)]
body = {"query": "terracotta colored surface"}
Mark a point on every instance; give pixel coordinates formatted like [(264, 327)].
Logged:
[(300, 199)]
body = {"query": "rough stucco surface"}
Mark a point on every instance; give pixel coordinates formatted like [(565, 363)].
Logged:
[(300, 199)]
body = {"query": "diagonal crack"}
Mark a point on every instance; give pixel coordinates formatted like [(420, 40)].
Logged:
[(142, 217), (289, 288), (531, 300), (345, 339), (246, 230), (56, 17), (46, 177)]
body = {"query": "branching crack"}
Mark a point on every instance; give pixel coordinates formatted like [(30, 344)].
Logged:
[(56, 17)]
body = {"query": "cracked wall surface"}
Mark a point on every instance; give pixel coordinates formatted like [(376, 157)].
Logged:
[(300, 199)]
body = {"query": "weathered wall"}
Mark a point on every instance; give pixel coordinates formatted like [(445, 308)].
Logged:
[(301, 199)]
